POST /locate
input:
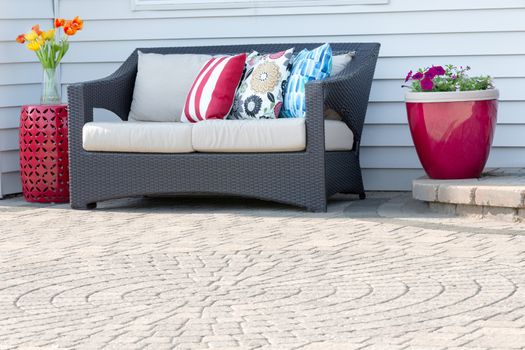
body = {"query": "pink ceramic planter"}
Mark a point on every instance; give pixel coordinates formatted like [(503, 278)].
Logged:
[(452, 131)]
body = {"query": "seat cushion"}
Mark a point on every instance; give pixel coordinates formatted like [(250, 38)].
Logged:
[(162, 84), (337, 136), (265, 135), (339, 62), (141, 137)]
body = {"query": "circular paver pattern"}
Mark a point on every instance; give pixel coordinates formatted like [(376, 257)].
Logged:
[(161, 274)]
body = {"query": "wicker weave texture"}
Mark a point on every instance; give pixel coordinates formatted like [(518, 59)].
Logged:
[(304, 179)]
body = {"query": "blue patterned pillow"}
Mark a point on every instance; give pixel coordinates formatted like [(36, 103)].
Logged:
[(307, 66)]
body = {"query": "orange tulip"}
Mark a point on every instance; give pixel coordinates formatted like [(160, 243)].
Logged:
[(36, 29), (59, 22), (77, 23), (69, 29), (21, 39)]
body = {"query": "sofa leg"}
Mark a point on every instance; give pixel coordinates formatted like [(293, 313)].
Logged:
[(362, 196), (86, 206), (316, 209), (321, 208)]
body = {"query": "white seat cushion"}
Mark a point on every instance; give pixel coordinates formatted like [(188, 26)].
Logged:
[(143, 137), (339, 62), (337, 136), (265, 135)]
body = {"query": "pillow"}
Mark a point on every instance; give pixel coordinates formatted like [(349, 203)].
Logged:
[(308, 65), (211, 95), (339, 62), (162, 84), (260, 94)]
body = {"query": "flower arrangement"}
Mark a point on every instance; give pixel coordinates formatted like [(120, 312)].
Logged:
[(50, 49), (450, 78)]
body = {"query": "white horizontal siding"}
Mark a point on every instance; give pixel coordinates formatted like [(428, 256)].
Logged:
[(403, 23), (24, 9), (10, 183), (9, 162), (484, 34), (390, 179), (9, 117), (20, 73), (431, 46), (8, 140), (120, 9), (20, 77)]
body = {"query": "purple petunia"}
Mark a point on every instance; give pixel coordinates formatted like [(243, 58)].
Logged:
[(439, 70), (434, 71), (426, 83), (431, 73), (409, 75), (417, 76)]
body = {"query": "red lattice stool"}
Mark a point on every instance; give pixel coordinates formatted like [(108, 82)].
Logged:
[(43, 153)]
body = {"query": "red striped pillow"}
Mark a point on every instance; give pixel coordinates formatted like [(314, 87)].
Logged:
[(211, 95)]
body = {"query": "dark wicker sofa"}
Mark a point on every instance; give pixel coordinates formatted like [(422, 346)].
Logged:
[(304, 178)]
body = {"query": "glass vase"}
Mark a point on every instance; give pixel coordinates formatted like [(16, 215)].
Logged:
[(51, 92)]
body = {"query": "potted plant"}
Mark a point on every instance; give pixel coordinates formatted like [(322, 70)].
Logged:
[(50, 47), (452, 118)]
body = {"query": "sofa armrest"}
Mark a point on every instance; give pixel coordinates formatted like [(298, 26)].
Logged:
[(113, 93), (314, 118), (348, 93)]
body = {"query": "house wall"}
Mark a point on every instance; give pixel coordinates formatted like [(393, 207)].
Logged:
[(20, 75), (485, 34)]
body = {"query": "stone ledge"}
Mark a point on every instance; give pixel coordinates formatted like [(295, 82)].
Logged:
[(479, 211), (497, 188)]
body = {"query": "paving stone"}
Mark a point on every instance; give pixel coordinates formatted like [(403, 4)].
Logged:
[(500, 196), (510, 341), (236, 274), (499, 188), (332, 346), (500, 213), (460, 194), (474, 211), (443, 208), (425, 191), (521, 214)]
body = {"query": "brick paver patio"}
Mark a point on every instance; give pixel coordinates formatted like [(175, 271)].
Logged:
[(194, 274)]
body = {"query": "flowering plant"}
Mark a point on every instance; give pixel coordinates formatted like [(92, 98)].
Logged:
[(48, 49), (450, 78)]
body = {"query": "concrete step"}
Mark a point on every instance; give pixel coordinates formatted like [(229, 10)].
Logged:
[(499, 193)]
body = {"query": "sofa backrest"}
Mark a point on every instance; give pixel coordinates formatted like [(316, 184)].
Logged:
[(362, 50), (353, 112)]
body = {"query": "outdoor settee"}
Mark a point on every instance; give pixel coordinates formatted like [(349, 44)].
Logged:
[(299, 172)]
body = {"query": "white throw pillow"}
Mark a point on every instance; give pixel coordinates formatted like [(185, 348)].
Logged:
[(162, 84), (339, 62)]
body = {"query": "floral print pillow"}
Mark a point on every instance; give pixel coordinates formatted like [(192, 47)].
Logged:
[(260, 94)]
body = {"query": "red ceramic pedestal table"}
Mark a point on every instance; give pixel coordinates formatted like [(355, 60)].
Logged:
[(44, 153)]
